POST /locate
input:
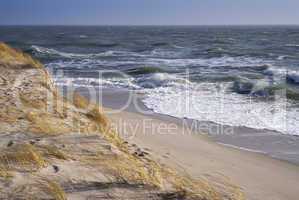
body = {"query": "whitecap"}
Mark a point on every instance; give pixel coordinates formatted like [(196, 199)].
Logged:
[(211, 102), (125, 82), (49, 51), (160, 79), (293, 77), (165, 53), (214, 62), (53, 52), (292, 45), (83, 36), (282, 57), (275, 71)]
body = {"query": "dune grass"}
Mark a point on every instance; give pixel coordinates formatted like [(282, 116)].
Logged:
[(37, 188), (131, 169), (22, 157), (15, 58), (47, 124), (52, 151), (123, 166), (125, 169), (53, 189), (29, 100), (10, 114), (4, 173), (79, 101)]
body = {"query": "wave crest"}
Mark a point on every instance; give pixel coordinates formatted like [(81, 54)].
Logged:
[(55, 53), (161, 80)]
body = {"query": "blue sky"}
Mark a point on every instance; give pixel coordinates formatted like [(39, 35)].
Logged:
[(148, 12)]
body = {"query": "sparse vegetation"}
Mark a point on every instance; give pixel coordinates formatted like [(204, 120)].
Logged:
[(53, 189), (21, 157), (79, 101), (52, 151), (4, 173), (34, 118), (44, 123), (17, 59)]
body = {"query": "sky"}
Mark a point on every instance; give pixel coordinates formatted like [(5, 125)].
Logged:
[(148, 12)]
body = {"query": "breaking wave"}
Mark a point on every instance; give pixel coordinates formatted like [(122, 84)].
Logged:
[(208, 102), (214, 62), (55, 53)]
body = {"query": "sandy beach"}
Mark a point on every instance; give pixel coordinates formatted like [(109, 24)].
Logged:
[(260, 177)]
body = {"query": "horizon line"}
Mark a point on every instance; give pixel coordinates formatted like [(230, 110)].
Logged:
[(149, 24)]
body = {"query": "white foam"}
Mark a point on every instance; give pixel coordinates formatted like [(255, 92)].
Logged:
[(88, 61), (49, 51), (155, 58), (282, 57), (91, 82), (282, 72), (214, 62), (166, 53), (210, 102), (292, 45), (294, 76), (160, 79), (151, 81), (89, 64), (83, 36)]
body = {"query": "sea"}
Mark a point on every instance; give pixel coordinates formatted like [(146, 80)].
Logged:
[(241, 76)]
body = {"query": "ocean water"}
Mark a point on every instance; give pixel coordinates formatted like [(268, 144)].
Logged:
[(246, 76)]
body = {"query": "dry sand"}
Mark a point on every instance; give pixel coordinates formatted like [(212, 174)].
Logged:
[(261, 177)]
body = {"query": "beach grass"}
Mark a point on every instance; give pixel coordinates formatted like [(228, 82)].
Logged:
[(123, 166), (52, 151), (4, 173), (53, 189), (47, 124), (16, 58), (23, 157)]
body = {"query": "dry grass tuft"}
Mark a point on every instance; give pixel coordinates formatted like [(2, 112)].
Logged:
[(53, 189), (97, 116), (4, 173), (127, 169), (52, 151), (10, 114), (33, 101), (17, 59), (24, 157), (44, 123), (80, 101), (93, 111), (193, 189), (36, 187)]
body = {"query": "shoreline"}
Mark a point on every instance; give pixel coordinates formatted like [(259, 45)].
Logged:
[(258, 175), (267, 142), (62, 149), (201, 157)]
